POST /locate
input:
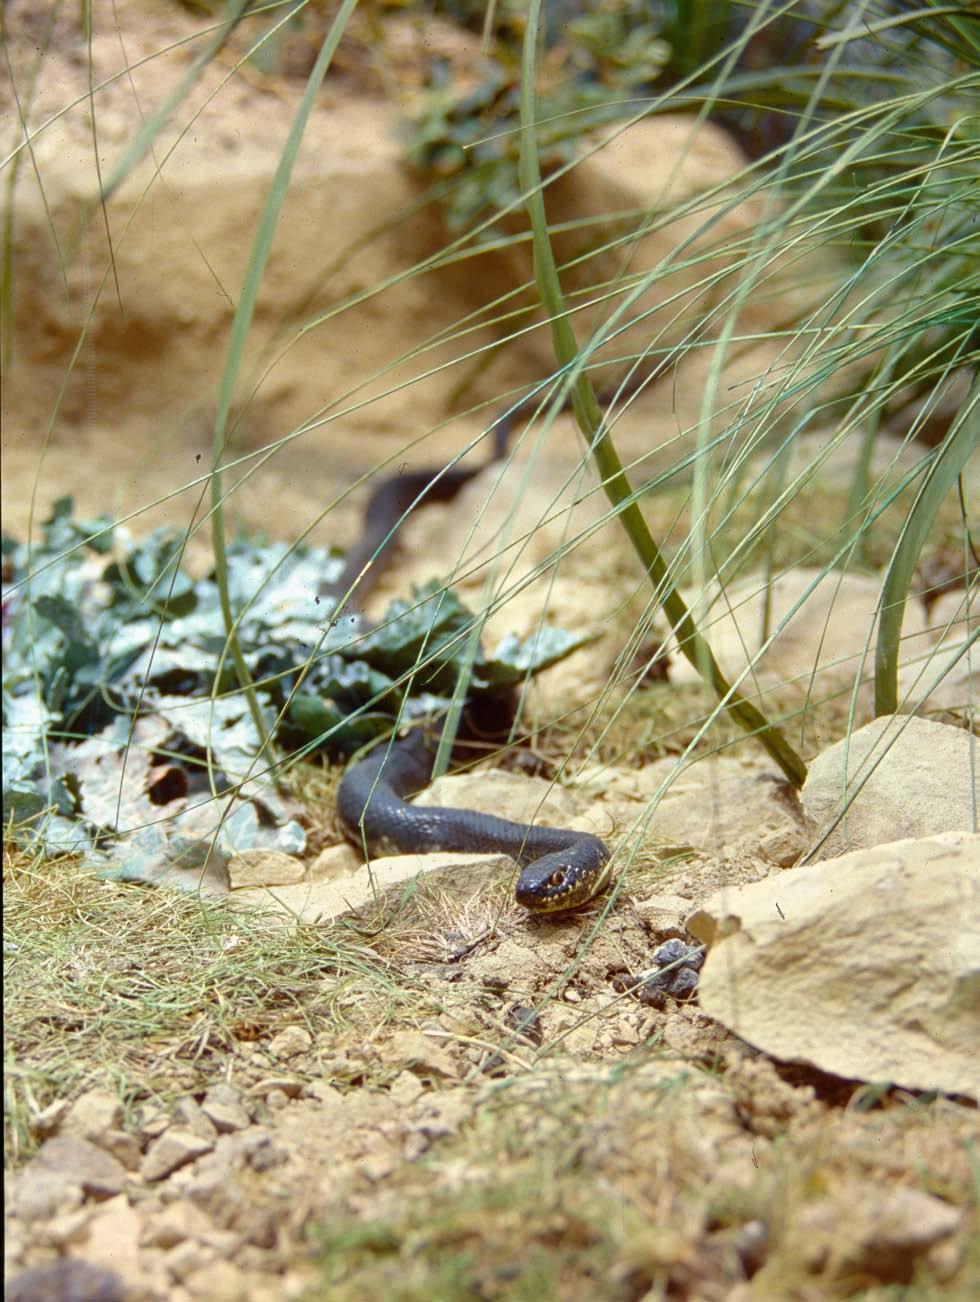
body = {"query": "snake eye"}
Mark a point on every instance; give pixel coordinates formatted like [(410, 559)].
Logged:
[(557, 878)]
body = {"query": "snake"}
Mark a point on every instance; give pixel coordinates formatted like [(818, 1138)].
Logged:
[(560, 869)]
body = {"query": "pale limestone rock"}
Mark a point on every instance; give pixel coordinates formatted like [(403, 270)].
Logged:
[(70, 1228), (940, 670), (218, 1281), (290, 1042), (867, 966), (806, 626), (172, 1225), (421, 1054), (896, 777), (222, 1105), (76, 1162), (190, 1116), (183, 1259), (123, 1146), (152, 1121), (174, 1149), (663, 913), (715, 805), (287, 1086), (405, 1089), (509, 795), (334, 863), (40, 1195), (312, 902), (264, 868)]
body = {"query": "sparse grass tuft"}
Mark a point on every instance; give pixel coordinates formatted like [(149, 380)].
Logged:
[(150, 993)]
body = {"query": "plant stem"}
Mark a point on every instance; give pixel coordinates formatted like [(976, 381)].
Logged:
[(236, 347), (589, 416)]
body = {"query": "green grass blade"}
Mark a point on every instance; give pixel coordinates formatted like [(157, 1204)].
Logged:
[(607, 460), (961, 443), (241, 324)]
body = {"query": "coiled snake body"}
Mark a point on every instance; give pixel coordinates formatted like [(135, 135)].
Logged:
[(561, 869)]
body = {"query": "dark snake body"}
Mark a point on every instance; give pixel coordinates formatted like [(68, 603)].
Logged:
[(560, 869)]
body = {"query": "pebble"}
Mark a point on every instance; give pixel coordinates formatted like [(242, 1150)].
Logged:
[(174, 1149), (290, 1043), (222, 1106)]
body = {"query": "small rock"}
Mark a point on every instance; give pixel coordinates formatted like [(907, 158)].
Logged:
[(264, 868), (405, 1089), (335, 863), (896, 778), (261, 1152), (783, 848), (316, 902), (321, 1092), (180, 1221), (113, 1239), (185, 1258), (223, 1242), (290, 1043), (261, 1226), (123, 1147), (189, 1115), (380, 1160), (91, 1115), (68, 1228), (623, 1035), (905, 1224), (67, 1280), (38, 1195), (752, 1246), (414, 1145), (441, 1114), (152, 1121), (76, 1161), (526, 1022), (287, 1085), (223, 1107), (420, 1054), (174, 1149), (865, 965), (218, 1281), (664, 912)]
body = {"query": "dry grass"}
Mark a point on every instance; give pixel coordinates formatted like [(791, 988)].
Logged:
[(637, 1180), (148, 992)]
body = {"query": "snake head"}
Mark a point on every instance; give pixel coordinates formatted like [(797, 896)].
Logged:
[(565, 879)]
